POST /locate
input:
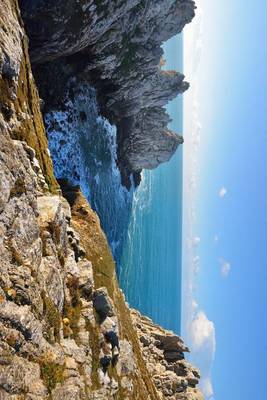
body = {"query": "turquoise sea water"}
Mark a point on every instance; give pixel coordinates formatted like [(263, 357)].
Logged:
[(150, 273), (148, 250)]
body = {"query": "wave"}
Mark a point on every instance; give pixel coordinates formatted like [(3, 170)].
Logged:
[(84, 151)]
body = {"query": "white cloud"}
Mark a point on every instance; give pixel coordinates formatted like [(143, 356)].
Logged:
[(203, 332), (196, 265), (199, 331), (222, 192), (203, 344), (196, 241), (194, 305), (207, 388), (225, 267)]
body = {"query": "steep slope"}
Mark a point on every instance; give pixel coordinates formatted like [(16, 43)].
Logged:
[(116, 46), (20, 104), (65, 329)]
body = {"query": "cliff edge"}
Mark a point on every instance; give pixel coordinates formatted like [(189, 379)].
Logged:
[(66, 331), (117, 47)]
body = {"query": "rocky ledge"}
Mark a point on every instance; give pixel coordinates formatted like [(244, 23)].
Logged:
[(115, 46), (163, 352), (66, 331)]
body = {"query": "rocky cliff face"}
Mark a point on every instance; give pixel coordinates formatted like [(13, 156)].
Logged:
[(163, 353), (65, 329), (116, 46)]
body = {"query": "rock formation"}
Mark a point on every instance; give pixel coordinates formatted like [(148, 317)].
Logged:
[(116, 46), (163, 353), (66, 331)]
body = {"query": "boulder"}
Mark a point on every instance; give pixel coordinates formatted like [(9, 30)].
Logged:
[(102, 303)]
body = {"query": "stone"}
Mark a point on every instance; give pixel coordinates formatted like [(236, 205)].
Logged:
[(109, 328), (20, 375), (86, 280), (164, 351), (105, 362), (127, 363), (53, 285), (120, 46), (48, 208), (102, 303), (53, 344), (170, 342)]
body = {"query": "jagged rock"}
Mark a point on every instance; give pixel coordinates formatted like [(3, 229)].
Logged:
[(170, 342), (52, 214), (102, 303), (52, 343), (86, 280), (71, 264), (127, 362), (148, 134), (109, 328), (116, 46), (19, 376), (53, 284), (10, 45), (72, 349), (164, 353), (21, 318)]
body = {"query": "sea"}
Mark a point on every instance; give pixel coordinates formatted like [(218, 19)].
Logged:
[(151, 265), (143, 225)]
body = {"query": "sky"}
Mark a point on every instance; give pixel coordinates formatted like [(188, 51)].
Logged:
[(225, 197)]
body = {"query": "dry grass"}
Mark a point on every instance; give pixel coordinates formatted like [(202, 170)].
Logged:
[(87, 224)]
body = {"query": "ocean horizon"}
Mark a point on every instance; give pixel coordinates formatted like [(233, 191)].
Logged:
[(151, 265)]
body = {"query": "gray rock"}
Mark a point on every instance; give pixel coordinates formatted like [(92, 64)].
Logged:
[(86, 280), (102, 303), (126, 363), (19, 375), (164, 351), (117, 47), (53, 283), (52, 346)]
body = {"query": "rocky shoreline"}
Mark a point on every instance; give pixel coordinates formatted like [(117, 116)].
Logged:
[(116, 47), (66, 331)]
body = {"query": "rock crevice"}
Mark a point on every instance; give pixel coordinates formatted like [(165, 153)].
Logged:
[(66, 331), (116, 46)]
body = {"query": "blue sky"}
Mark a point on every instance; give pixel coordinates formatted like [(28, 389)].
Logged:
[(225, 318)]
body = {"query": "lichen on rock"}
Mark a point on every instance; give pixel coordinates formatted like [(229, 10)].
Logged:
[(66, 331)]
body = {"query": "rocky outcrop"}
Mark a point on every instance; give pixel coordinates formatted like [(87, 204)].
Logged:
[(163, 353), (20, 114), (116, 46), (60, 335), (66, 331)]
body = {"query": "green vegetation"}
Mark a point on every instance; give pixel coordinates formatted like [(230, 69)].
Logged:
[(18, 188), (87, 224), (31, 130), (94, 345), (52, 318), (51, 374), (72, 310)]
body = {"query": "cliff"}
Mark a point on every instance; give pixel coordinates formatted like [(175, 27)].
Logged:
[(66, 331), (116, 46)]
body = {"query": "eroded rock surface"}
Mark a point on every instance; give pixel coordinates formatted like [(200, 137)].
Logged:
[(65, 329), (60, 334), (116, 46), (163, 352)]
